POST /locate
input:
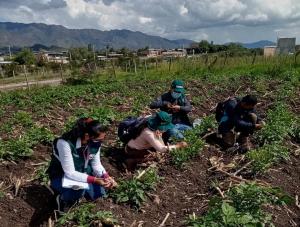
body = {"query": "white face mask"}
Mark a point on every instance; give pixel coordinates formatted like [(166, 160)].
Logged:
[(175, 95)]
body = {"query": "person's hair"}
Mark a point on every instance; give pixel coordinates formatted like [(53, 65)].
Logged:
[(250, 100), (82, 126)]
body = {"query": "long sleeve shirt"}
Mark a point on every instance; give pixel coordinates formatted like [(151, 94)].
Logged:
[(147, 140), (66, 159), (179, 117)]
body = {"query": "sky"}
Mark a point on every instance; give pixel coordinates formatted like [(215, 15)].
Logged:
[(220, 21)]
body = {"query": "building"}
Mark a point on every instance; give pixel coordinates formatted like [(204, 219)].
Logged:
[(151, 53), (297, 48), (176, 53), (269, 51), (55, 57), (286, 46)]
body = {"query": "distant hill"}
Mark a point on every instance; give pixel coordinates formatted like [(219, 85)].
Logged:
[(21, 35), (259, 44)]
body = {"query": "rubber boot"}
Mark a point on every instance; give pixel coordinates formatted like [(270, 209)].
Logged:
[(228, 139), (245, 144)]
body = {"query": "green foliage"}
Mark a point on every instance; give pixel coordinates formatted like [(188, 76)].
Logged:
[(16, 148), (278, 125), (264, 157), (25, 57), (84, 216), (195, 146), (242, 206), (23, 118), (208, 124), (41, 173), (103, 114), (133, 192)]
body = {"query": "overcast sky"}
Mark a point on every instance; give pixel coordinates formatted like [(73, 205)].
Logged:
[(218, 20)]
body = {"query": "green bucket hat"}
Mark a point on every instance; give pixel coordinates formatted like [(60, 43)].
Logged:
[(178, 86), (161, 121)]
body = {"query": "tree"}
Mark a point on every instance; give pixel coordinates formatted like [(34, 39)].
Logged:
[(204, 46), (25, 57)]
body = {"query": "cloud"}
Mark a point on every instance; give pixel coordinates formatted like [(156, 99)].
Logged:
[(218, 20)]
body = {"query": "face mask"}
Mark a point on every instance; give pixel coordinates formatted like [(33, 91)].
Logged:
[(176, 95), (94, 144)]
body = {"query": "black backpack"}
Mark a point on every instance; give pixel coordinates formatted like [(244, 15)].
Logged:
[(220, 109), (130, 128)]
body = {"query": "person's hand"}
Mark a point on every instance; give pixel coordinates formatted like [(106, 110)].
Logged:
[(181, 144), (175, 108), (168, 105), (103, 182), (114, 184), (258, 126)]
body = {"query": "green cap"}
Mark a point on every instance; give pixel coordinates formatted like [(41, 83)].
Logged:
[(178, 86), (161, 121)]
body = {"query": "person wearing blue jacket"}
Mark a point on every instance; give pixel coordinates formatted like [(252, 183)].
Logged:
[(175, 103), (239, 116)]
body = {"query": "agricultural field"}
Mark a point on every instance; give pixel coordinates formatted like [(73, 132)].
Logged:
[(196, 186)]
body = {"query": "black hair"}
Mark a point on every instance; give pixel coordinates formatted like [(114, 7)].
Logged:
[(82, 126), (250, 100)]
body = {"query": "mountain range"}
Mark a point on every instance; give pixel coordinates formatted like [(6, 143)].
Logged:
[(20, 35)]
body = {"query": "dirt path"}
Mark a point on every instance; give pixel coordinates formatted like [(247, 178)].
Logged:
[(13, 86)]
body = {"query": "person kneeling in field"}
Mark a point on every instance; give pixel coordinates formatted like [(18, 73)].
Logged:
[(175, 103), (149, 139), (238, 116), (76, 157)]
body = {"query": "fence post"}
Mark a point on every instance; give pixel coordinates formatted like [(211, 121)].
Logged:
[(225, 60), (170, 64), (113, 66), (134, 62), (25, 73), (296, 55), (1, 72), (254, 58), (61, 73)]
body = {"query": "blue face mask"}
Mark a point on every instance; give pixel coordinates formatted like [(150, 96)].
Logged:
[(176, 95)]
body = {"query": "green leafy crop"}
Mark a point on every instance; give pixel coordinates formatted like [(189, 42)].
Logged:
[(84, 216), (242, 206), (133, 192)]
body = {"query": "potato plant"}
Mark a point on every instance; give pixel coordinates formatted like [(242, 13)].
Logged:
[(85, 216), (242, 206), (133, 191)]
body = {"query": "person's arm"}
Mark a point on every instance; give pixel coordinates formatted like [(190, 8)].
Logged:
[(159, 103), (187, 107), (242, 125), (67, 163), (156, 143), (97, 166)]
